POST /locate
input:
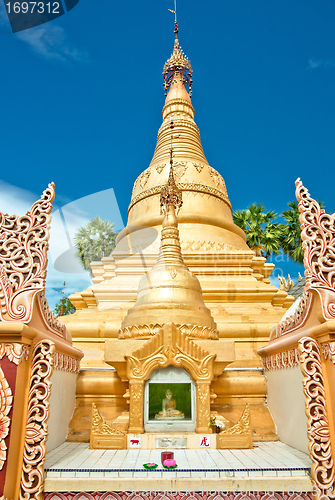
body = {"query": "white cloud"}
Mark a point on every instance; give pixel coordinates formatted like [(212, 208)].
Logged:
[(320, 63), (51, 42), (15, 200), (63, 264)]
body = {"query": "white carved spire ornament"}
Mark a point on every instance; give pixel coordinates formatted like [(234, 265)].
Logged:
[(23, 257), (318, 241)]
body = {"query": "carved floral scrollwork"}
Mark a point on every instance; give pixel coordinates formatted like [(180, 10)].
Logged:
[(160, 168), (192, 187), (285, 359), (136, 405), (179, 169), (145, 495), (243, 426), (100, 427), (65, 363), (6, 401), (145, 331), (322, 470), (296, 319), (23, 257), (14, 352), (38, 412), (217, 178), (50, 320), (198, 167), (328, 349), (170, 348), (143, 179), (208, 246), (318, 237), (203, 400)]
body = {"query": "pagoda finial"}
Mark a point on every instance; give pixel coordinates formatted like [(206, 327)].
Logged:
[(178, 63), (171, 194)]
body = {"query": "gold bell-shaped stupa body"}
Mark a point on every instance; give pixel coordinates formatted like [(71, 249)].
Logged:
[(169, 292)]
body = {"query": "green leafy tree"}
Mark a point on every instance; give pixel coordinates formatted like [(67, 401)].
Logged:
[(95, 240), (290, 240), (64, 307), (263, 235)]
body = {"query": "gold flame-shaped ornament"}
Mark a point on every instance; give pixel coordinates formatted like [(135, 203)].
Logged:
[(178, 63)]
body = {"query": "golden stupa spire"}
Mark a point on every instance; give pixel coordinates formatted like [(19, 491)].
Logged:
[(205, 200), (177, 65)]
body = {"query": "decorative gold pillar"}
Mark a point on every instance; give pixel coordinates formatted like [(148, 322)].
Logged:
[(203, 407), (136, 407)]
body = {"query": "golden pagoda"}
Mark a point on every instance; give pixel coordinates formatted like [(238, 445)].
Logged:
[(222, 286)]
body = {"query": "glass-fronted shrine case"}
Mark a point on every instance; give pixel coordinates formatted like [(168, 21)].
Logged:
[(169, 401)]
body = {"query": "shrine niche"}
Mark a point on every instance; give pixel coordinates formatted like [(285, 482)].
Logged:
[(169, 401), (170, 347)]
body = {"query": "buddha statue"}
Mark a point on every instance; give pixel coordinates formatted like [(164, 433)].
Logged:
[(169, 409)]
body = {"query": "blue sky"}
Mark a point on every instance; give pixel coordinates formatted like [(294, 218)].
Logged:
[(82, 99)]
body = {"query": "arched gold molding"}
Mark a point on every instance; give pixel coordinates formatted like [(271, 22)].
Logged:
[(169, 347)]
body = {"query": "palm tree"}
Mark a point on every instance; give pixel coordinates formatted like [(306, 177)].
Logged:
[(94, 241), (64, 307), (263, 235), (290, 241)]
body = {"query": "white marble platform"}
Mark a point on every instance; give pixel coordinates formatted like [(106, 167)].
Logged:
[(270, 466), (266, 459)]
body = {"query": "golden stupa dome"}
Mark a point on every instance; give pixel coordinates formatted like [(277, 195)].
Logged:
[(169, 291)]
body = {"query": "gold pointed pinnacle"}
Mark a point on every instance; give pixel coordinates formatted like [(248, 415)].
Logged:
[(177, 63)]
